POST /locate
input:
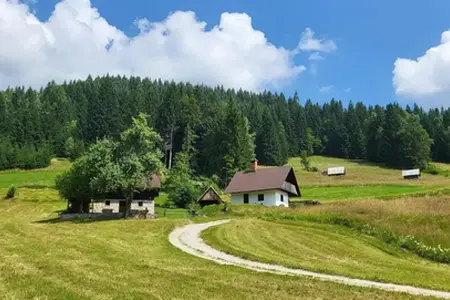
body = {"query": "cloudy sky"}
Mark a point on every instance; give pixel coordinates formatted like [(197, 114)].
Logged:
[(375, 52)]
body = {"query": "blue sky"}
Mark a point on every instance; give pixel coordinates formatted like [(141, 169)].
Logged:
[(370, 36)]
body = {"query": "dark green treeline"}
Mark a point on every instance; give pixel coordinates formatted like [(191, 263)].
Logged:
[(221, 130)]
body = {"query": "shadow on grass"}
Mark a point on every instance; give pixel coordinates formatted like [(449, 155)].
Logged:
[(75, 221), (37, 186), (372, 164)]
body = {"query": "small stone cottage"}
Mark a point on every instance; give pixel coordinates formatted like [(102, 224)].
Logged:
[(143, 203)]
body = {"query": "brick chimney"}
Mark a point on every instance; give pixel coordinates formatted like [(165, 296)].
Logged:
[(254, 165)]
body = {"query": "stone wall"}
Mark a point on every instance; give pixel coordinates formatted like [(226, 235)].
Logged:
[(99, 206), (89, 216), (146, 205)]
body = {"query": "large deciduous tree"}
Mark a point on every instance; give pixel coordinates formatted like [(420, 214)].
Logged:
[(122, 166)]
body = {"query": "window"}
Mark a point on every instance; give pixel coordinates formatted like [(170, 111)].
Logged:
[(141, 203), (282, 198), (261, 197), (107, 203), (245, 198)]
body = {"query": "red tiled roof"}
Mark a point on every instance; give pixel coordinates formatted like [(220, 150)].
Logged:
[(259, 180)]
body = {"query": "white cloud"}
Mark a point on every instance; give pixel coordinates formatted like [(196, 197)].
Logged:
[(325, 89), (426, 80), (348, 90), (315, 56), (76, 41), (309, 43)]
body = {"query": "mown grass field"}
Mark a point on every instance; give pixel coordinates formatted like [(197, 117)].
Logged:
[(359, 173), (326, 248), (34, 178), (339, 193), (42, 258), (127, 259), (363, 181)]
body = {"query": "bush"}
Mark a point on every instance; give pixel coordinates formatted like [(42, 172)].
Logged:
[(314, 169), (304, 160), (435, 170), (11, 192), (432, 169)]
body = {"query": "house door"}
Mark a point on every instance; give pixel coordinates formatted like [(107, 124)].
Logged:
[(245, 198), (122, 206)]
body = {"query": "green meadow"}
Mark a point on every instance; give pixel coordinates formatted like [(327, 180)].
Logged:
[(44, 258)]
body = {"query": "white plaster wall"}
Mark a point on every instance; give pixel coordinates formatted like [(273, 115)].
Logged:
[(285, 202), (99, 206), (147, 204), (271, 198)]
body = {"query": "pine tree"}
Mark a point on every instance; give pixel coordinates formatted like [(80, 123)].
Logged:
[(375, 135), (357, 143), (268, 147), (96, 123)]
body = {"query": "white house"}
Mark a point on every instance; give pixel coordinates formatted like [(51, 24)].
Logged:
[(266, 186), (336, 171)]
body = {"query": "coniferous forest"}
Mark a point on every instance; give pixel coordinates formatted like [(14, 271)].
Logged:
[(220, 129)]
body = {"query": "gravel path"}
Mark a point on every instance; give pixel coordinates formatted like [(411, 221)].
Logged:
[(188, 239)]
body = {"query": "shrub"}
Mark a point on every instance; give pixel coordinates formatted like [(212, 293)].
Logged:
[(432, 169), (11, 192), (435, 170), (314, 169), (305, 161)]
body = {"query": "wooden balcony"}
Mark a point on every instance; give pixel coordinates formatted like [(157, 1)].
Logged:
[(289, 187)]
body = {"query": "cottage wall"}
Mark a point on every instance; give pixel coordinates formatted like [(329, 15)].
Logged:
[(271, 198), (146, 204), (99, 206)]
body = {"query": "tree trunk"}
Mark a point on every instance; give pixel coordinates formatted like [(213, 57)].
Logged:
[(128, 200)]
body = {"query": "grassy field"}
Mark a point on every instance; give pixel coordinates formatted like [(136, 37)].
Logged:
[(427, 218), (42, 258), (338, 193), (127, 259), (359, 173), (326, 248), (362, 181), (34, 178)]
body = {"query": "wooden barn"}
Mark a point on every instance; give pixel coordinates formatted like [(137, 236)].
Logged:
[(210, 197), (411, 174), (336, 171)]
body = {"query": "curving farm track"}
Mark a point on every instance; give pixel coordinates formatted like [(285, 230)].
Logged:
[(188, 239)]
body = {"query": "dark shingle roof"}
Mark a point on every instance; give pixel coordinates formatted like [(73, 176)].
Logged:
[(262, 179), (210, 195)]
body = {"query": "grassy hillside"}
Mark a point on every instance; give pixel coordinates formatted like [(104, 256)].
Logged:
[(127, 259), (34, 178), (363, 181), (42, 258), (337, 193), (326, 248), (358, 173), (427, 218)]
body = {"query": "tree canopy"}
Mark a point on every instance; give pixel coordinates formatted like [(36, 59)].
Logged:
[(109, 166), (220, 130)]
